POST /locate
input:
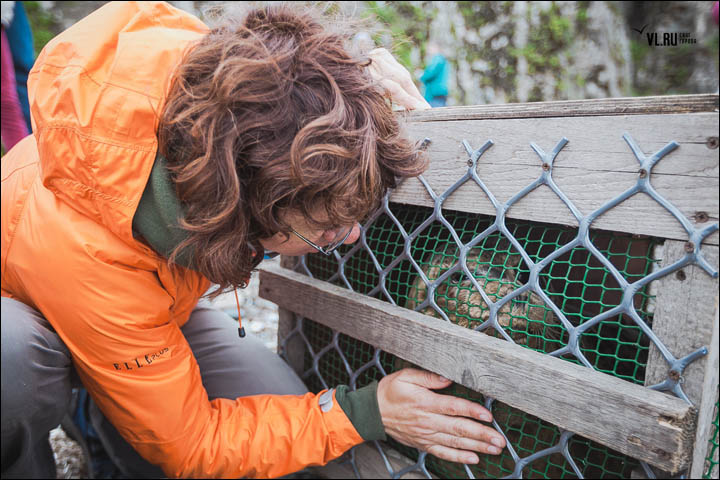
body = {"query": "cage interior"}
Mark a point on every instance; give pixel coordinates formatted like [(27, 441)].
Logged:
[(576, 282)]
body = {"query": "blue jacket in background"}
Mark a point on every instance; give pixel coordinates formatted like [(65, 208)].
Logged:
[(435, 77)]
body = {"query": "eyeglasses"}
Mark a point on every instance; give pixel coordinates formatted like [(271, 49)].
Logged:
[(339, 239)]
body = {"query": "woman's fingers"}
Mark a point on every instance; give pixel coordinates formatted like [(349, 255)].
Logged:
[(396, 79), (398, 72), (423, 378), (401, 97), (453, 455), (447, 405), (470, 430), (468, 444), (443, 425)]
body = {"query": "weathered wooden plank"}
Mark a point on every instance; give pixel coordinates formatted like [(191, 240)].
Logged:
[(684, 318), (370, 464), (367, 459), (710, 469), (573, 108), (707, 406), (293, 349), (594, 167), (642, 423)]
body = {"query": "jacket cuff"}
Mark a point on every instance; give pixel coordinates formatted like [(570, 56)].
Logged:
[(361, 407)]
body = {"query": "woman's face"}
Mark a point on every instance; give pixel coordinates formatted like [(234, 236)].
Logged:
[(295, 246)]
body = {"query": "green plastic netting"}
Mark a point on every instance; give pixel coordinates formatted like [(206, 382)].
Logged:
[(711, 461), (526, 433), (576, 282), (579, 285)]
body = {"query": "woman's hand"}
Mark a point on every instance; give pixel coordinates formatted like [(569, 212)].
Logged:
[(445, 426), (396, 79)]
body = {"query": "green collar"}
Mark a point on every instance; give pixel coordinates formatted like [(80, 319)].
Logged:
[(158, 214)]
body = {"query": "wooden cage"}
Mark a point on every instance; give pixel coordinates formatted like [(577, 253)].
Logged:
[(600, 150)]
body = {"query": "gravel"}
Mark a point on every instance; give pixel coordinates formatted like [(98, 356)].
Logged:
[(259, 317), (69, 459)]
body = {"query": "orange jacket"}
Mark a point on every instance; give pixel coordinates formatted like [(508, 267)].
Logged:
[(69, 193)]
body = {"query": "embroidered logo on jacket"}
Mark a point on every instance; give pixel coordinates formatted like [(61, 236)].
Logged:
[(140, 362)]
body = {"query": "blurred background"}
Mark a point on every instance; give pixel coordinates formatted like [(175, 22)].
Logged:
[(459, 53), (502, 52)]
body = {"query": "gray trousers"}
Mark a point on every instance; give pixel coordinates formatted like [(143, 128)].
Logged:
[(38, 377)]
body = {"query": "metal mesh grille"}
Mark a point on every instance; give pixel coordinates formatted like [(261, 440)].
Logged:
[(577, 294), (526, 433), (576, 283)]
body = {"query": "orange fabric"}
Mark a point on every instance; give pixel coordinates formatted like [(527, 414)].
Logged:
[(69, 193)]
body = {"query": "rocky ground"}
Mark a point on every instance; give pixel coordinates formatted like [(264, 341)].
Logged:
[(260, 318)]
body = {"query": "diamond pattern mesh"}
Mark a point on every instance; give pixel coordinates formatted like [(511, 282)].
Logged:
[(582, 295)]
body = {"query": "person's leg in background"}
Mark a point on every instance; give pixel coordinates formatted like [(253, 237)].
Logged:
[(230, 366), (36, 390), (438, 102), (12, 123), (20, 36)]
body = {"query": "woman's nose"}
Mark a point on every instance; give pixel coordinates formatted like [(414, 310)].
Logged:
[(330, 235), (354, 234)]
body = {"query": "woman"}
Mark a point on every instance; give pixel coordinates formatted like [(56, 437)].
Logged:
[(166, 157)]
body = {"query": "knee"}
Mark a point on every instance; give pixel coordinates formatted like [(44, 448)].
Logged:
[(35, 367), (232, 367)]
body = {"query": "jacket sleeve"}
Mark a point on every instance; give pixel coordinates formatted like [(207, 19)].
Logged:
[(135, 362)]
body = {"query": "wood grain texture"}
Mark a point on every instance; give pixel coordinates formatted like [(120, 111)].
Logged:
[(631, 419), (684, 318), (707, 407), (594, 167), (367, 459), (573, 108), (293, 350), (710, 462)]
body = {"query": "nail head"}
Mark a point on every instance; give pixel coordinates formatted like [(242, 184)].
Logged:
[(701, 217)]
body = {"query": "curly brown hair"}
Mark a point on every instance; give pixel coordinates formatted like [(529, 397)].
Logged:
[(272, 115)]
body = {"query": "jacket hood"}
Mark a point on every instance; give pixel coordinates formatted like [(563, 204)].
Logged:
[(96, 92)]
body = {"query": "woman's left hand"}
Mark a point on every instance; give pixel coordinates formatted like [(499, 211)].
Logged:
[(396, 79)]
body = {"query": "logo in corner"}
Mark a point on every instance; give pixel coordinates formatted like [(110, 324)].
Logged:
[(665, 39), (641, 30)]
